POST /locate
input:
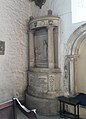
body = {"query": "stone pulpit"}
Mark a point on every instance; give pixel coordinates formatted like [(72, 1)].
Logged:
[(44, 72)]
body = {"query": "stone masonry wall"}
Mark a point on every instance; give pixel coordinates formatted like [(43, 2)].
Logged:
[(14, 15)]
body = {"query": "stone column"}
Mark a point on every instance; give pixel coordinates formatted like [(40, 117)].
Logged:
[(72, 77), (50, 47), (72, 73), (31, 49)]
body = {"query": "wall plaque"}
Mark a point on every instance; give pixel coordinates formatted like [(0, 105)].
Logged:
[(2, 47)]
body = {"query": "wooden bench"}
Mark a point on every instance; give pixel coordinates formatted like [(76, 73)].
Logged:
[(70, 101), (8, 110)]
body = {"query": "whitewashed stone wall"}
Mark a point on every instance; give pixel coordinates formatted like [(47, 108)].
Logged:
[(61, 8), (14, 15)]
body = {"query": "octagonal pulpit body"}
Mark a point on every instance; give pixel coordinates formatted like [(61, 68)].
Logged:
[(44, 72)]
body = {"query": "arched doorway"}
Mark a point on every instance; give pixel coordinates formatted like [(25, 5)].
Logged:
[(80, 66), (76, 45)]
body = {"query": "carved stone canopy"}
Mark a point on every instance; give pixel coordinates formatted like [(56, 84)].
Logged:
[(39, 2)]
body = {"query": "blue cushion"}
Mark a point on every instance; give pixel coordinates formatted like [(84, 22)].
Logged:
[(82, 98)]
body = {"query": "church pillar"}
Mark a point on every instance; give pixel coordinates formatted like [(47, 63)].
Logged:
[(72, 76), (50, 47), (31, 49), (72, 60)]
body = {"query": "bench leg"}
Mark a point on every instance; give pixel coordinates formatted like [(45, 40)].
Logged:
[(75, 110), (62, 109), (78, 111)]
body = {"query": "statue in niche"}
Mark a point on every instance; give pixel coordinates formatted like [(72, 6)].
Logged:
[(37, 53), (41, 48), (45, 44)]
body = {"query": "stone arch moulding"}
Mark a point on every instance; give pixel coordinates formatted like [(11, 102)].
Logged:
[(72, 55)]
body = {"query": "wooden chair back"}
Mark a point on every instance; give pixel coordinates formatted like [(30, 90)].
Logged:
[(8, 110)]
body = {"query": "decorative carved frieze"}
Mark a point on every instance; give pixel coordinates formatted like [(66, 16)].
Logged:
[(43, 83), (43, 22)]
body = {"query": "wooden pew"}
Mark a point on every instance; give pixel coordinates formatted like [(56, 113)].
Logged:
[(8, 110)]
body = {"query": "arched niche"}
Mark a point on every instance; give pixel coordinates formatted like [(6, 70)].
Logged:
[(80, 69), (72, 55)]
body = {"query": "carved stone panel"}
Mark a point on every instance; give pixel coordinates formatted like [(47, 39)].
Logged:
[(44, 83), (51, 82), (38, 82), (41, 48)]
